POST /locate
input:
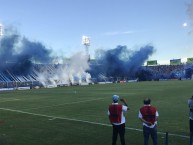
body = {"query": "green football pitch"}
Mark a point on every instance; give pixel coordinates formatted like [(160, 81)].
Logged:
[(77, 115)]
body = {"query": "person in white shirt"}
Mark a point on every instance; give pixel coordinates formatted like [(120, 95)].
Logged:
[(148, 115), (117, 119)]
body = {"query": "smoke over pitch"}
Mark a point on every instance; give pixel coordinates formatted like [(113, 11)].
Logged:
[(17, 53), (121, 62), (19, 56)]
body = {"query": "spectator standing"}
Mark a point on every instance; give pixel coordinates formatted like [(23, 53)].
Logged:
[(117, 119), (148, 115)]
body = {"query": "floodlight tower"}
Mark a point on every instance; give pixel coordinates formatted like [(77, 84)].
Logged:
[(1, 33), (86, 43), (1, 30)]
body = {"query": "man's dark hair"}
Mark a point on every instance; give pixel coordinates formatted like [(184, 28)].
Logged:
[(115, 101), (147, 101)]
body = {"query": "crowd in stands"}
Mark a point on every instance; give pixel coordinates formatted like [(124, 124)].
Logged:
[(158, 72), (168, 70)]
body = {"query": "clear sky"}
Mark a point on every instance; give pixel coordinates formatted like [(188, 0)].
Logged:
[(60, 24)]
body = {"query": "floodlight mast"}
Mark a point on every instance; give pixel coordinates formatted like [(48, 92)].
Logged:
[(86, 43), (1, 30), (1, 33)]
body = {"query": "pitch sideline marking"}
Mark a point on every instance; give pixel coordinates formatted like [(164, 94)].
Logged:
[(83, 121), (8, 100), (76, 102)]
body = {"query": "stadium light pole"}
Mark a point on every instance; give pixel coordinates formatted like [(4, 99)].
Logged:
[(1, 33), (86, 43)]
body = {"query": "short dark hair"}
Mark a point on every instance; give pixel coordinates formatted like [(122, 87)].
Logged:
[(147, 101), (115, 101)]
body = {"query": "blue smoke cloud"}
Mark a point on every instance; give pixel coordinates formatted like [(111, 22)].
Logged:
[(120, 61), (17, 54)]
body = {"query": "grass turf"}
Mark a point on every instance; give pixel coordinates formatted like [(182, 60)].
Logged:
[(43, 116)]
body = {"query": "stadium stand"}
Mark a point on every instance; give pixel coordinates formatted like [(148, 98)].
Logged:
[(32, 78)]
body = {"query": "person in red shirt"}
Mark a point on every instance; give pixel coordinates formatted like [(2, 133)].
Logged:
[(117, 119), (148, 115)]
